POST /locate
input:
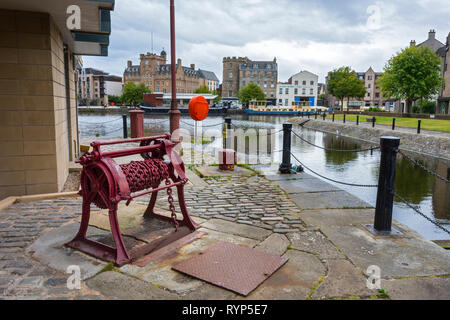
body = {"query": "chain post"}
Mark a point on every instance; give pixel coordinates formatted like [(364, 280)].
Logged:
[(357, 120), (286, 165), (418, 126), (227, 141), (385, 194), (333, 116), (344, 117), (125, 128), (373, 122), (393, 123)]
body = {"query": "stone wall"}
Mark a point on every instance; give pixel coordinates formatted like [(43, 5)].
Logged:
[(38, 133), (431, 145)]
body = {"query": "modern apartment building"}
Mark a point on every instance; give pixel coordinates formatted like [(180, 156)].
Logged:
[(301, 89), (154, 71), (238, 72), (38, 76), (94, 86)]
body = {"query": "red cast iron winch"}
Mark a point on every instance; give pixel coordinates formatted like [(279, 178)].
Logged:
[(105, 183)]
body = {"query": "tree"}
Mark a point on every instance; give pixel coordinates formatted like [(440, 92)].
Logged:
[(412, 74), (134, 94), (250, 92), (202, 89), (343, 83)]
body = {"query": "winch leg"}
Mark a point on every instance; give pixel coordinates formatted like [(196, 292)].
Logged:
[(122, 256), (85, 216), (187, 221), (151, 206)]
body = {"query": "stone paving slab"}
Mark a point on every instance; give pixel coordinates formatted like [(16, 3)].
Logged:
[(343, 280), (295, 186), (327, 200), (214, 171), (397, 256), (294, 281), (49, 249), (160, 272), (417, 289), (119, 286), (237, 229), (314, 242), (276, 244)]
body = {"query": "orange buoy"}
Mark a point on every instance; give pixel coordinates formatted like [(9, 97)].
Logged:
[(198, 108)]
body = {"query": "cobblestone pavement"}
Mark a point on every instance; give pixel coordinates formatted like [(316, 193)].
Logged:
[(20, 276)]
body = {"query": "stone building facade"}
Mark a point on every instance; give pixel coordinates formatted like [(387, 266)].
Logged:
[(443, 102), (301, 89), (373, 98), (38, 72), (238, 72), (154, 71)]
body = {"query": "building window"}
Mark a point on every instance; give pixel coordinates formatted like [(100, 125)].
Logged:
[(280, 102), (272, 85), (311, 83), (230, 75), (281, 90), (157, 89), (146, 62), (287, 91), (231, 65), (286, 102), (303, 91), (265, 84), (369, 77), (230, 93), (296, 82), (377, 95), (311, 91), (243, 83), (295, 91), (369, 86)]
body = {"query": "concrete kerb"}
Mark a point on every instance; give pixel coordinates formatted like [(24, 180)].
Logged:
[(9, 201)]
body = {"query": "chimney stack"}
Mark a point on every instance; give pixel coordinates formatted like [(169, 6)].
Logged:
[(129, 63), (193, 66), (432, 34), (412, 43)]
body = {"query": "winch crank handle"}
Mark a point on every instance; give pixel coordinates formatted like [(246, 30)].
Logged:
[(177, 161)]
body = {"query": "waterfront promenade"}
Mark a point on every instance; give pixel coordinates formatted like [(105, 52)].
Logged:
[(317, 226)]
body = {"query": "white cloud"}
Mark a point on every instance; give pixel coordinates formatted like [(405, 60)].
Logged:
[(314, 35)]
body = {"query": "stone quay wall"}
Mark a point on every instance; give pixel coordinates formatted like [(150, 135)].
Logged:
[(434, 146)]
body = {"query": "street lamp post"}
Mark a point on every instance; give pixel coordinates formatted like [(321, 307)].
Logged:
[(174, 113)]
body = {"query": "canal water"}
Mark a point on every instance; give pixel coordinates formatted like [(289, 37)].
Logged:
[(429, 194)]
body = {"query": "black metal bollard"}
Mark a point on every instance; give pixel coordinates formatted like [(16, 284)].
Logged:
[(315, 115), (393, 123), (418, 126), (323, 116), (373, 122), (385, 195), (357, 120), (333, 116), (227, 140), (125, 128), (286, 165), (344, 117), (309, 114)]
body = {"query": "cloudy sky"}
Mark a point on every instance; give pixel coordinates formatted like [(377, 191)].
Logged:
[(313, 35)]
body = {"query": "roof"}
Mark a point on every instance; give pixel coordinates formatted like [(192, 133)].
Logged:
[(259, 65), (95, 72), (133, 69), (209, 75)]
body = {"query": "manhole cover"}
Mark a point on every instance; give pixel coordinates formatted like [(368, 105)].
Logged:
[(233, 267)]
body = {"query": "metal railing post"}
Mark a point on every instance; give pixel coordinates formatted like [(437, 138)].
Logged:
[(393, 123), (357, 120), (227, 140), (418, 126), (373, 122), (286, 165), (333, 116), (315, 115), (385, 195), (125, 128), (344, 117)]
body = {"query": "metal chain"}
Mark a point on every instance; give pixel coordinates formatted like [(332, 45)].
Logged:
[(423, 167), (171, 205), (422, 214), (203, 126), (98, 123), (335, 150), (346, 183)]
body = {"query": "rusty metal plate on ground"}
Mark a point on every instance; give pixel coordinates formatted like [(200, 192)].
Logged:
[(233, 267)]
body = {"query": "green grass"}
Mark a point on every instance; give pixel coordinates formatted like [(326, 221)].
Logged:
[(427, 124), (202, 141)]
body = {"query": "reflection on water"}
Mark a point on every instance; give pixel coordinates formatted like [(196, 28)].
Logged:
[(431, 195)]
